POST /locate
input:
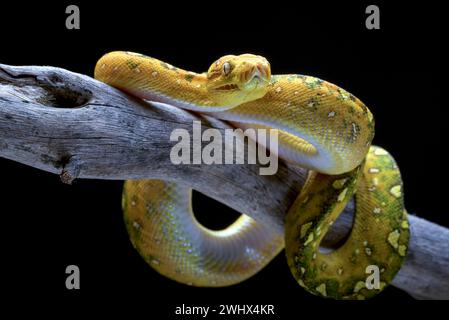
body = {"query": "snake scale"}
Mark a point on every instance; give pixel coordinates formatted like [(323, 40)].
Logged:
[(321, 127)]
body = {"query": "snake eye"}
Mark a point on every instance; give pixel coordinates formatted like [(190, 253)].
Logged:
[(226, 68)]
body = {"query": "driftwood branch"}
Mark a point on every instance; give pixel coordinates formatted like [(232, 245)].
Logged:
[(72, 125)]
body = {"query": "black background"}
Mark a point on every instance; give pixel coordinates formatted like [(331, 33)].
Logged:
[(46, 225)]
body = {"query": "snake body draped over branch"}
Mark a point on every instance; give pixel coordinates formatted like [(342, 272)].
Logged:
[(321, 127)]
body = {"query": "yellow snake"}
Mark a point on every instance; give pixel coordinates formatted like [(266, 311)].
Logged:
[(321, 127)]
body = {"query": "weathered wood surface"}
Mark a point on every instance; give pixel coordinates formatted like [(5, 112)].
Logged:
[(72, 125)]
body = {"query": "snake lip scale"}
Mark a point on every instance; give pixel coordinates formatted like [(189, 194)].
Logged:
[(321, 127)]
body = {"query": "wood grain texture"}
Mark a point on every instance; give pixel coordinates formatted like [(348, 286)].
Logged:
[(72, 125)]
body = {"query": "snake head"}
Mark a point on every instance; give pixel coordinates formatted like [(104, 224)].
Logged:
[(233, 80)]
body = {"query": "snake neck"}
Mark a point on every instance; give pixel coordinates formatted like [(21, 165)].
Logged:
[(155, 80)]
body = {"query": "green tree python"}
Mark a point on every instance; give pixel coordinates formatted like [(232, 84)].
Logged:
[(321, 127)]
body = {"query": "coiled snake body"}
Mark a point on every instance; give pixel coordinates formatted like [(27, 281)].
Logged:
[(322, 127)]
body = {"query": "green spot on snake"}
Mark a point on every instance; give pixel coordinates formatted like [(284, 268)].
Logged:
[(189, 77), (402, 249), (132, 64), (338, 184), (393, 238), (342, 195), (313, 82), (404, 224), (359, 286), (380, 152), (322, 289), (304, 229), (368, 251), (309, 239), (396, 191)]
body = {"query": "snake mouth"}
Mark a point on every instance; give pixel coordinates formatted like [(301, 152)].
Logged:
[(228, 87)]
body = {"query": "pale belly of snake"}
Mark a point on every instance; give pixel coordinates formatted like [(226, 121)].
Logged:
[(321, 127)]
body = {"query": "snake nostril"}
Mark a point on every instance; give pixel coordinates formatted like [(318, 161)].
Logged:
[(253, 73)]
